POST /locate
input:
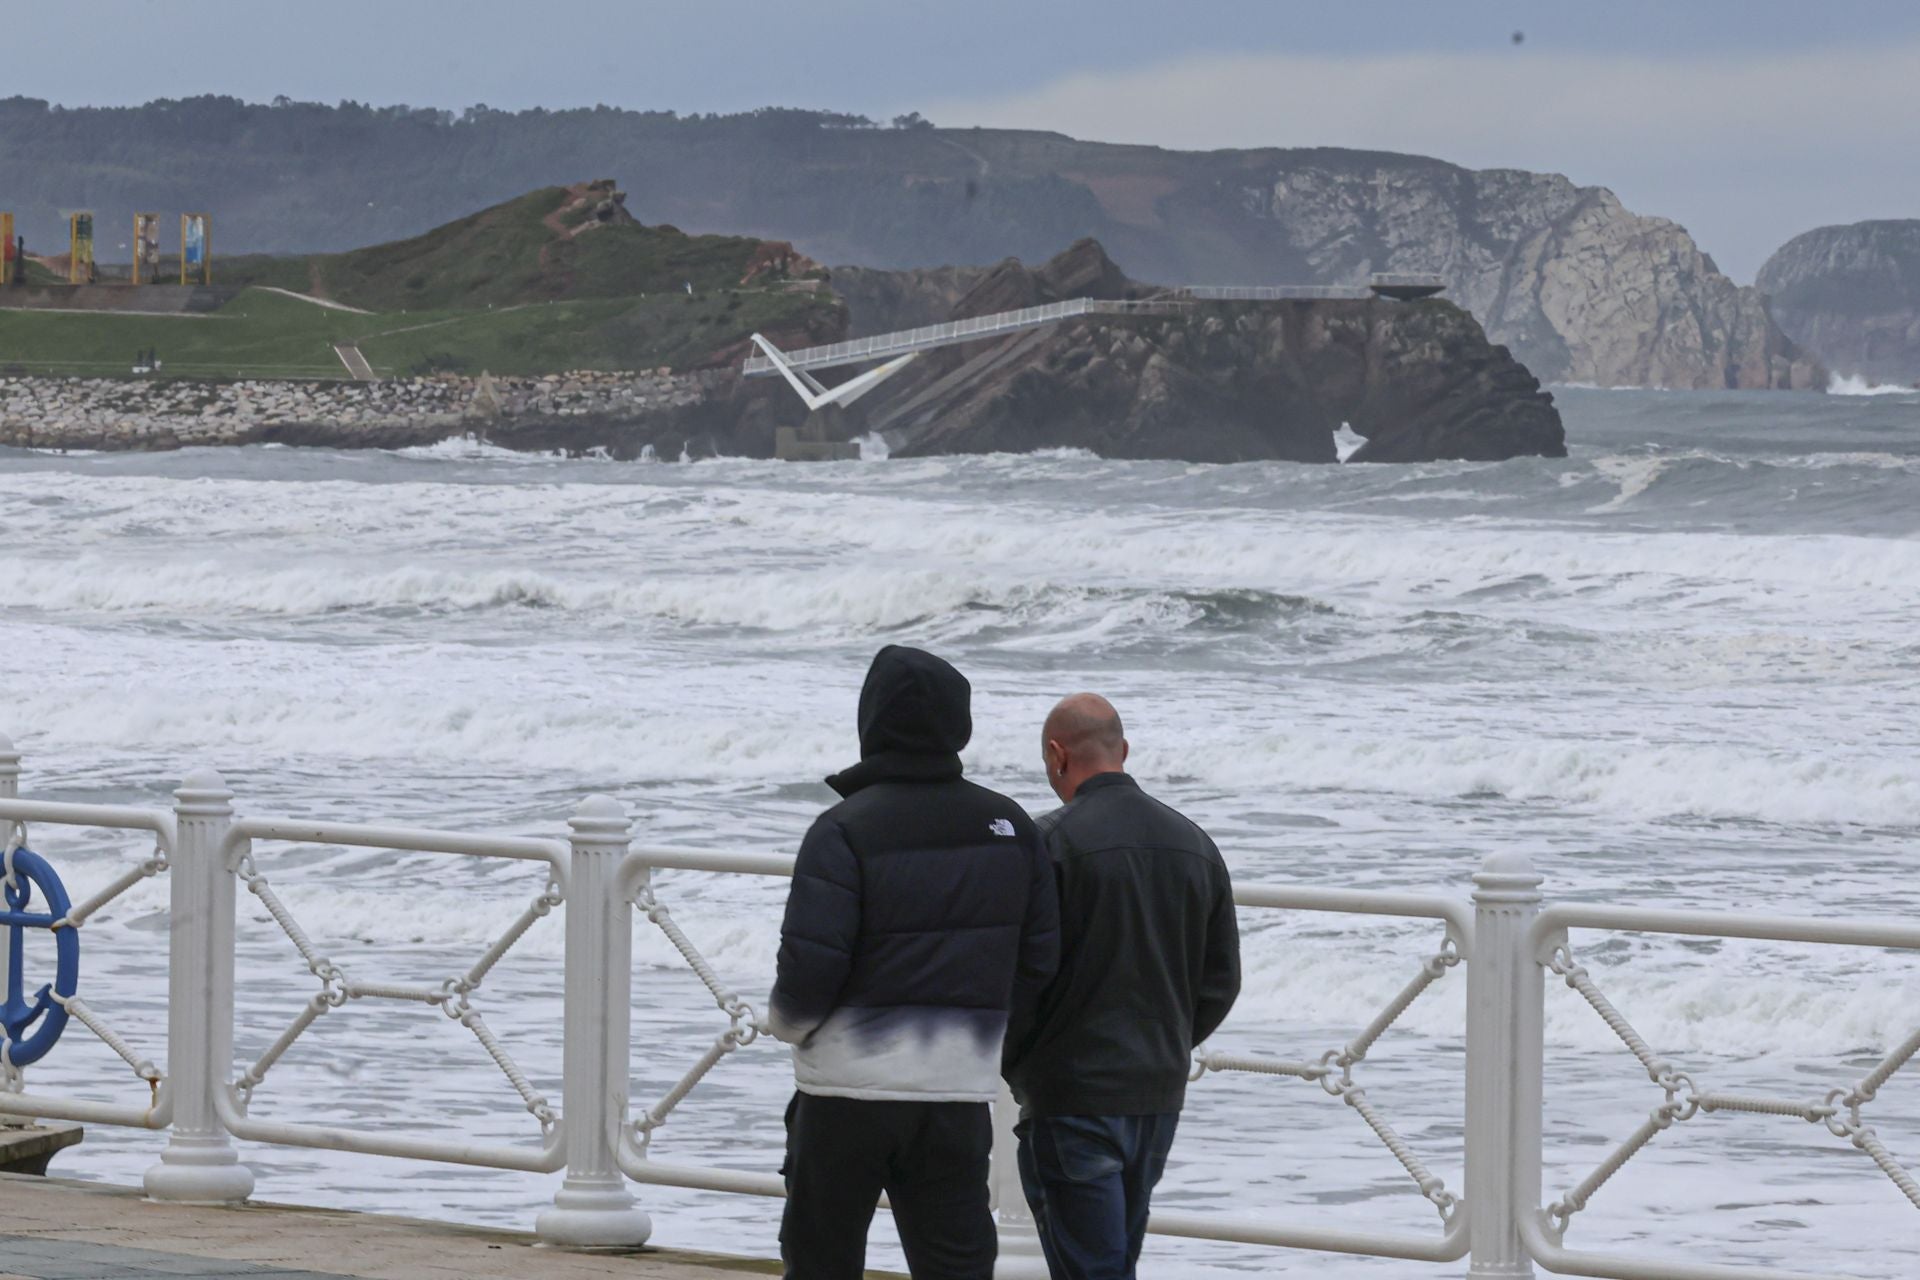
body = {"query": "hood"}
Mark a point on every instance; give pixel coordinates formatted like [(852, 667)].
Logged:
[(916, 713)]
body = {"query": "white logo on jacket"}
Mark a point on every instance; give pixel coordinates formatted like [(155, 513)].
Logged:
[(1001, 827)]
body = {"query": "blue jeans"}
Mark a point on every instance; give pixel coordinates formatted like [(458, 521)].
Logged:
[(1089, 1180)]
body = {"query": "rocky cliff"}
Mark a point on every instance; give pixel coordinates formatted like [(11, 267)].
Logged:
[(1580, 288), (1214, 382), (1852, 295)]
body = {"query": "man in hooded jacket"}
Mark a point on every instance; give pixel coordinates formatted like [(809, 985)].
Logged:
[(923, 914)]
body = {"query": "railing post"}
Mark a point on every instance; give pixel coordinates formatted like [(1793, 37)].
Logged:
[(1020, 1255), (593, 1208), (9, 790), (199, 1165), (1505, 996)]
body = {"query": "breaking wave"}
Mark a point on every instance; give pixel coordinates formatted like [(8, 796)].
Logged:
[(1853, 384)]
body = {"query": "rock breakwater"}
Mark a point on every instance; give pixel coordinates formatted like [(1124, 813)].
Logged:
[(116, 414)]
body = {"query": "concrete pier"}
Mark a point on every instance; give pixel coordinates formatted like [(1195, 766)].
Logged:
[(27, 1148), (53, 1229)]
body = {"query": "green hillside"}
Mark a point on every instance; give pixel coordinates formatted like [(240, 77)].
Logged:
[(268, 335), (561, 278), (545, 246)]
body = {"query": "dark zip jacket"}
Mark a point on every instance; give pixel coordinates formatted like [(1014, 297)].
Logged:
[(1150, 958), (922, 913)]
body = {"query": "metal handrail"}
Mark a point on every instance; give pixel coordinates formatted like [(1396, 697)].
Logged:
[(902, 341), (1508, 942), (1276, 292), (1543, 1229), (14, 1099), (1334, 1072), (881, 345), (451, 997)]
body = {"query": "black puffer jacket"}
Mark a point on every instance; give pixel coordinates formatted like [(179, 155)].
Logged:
[(1150, 958), (922, 911)]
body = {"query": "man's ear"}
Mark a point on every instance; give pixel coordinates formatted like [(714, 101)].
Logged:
[(1125, 747)]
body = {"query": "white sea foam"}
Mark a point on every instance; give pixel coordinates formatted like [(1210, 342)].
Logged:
[(866, 562), (472, 449), (1853, 384), (1676, 699)]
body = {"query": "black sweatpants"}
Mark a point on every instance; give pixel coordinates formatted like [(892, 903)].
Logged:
[(929, 1157)]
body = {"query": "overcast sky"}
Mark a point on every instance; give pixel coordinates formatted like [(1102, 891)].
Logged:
[(1746, 121)]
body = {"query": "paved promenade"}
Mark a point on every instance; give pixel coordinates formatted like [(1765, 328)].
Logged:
[(52, 1229)]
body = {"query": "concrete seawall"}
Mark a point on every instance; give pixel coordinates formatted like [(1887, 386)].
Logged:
[(116, 414)]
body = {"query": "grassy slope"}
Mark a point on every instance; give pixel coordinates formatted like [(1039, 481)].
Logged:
[(498, 290), (505, 256), (264, 335)]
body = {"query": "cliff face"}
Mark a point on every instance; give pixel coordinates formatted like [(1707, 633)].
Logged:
[(1579, 288), (1216, 382), (1852, 294)]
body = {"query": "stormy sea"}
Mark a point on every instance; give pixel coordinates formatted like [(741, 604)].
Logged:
[(1678, 668)]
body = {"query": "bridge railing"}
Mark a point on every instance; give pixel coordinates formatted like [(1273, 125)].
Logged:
[(932, 335), (1274, 292), (1503, 940)]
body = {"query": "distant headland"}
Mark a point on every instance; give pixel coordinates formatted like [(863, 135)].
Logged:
[(557, 320)]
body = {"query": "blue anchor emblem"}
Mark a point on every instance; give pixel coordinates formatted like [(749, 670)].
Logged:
[(22, 1041)]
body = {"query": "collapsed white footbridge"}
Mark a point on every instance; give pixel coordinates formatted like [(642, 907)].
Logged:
[(899, 347)]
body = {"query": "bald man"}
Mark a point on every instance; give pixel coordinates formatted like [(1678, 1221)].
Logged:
[(1149, 967)]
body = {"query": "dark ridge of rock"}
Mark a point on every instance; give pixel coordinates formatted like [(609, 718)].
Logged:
[(1851, 295), (882, 301), (1216, 382), (1082, 270)]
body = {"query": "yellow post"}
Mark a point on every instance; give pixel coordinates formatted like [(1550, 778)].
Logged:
[(8, 251), (80, 248)]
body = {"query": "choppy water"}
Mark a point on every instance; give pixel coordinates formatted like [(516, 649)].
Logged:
[(1678, 667)]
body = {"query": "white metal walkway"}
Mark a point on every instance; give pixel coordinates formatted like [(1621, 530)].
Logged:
[(905, 341), (884, 345)]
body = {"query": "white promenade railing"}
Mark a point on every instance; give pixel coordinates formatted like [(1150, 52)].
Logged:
[(1508, 946)]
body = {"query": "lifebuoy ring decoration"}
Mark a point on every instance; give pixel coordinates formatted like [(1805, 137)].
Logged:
[(29, 1030)]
